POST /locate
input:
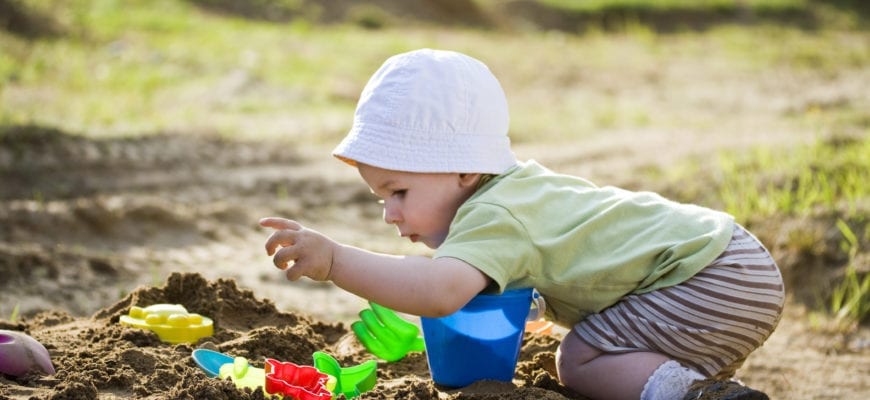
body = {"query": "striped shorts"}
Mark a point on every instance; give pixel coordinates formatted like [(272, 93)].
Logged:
[(709, 323)]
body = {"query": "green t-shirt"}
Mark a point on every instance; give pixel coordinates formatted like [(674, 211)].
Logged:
[(581, 246)]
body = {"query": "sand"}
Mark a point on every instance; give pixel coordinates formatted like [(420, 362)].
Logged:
[(98, 357), (92, 227)]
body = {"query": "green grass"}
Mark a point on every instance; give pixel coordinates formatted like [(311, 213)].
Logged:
[(800, 181), (150, 66), (663, 5), (13, 317), (850, 300), (138, 67), (826, 185)]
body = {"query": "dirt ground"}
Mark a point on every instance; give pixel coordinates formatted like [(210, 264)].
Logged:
[(92, 227)]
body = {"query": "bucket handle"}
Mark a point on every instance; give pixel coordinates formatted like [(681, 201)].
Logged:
[(539, 306)]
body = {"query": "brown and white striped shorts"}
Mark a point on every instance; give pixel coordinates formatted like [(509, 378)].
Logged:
[(709, 323)]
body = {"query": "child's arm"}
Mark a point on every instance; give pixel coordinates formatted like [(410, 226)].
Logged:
[(411, 284)]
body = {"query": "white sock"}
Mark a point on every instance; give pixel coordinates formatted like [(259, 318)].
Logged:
[(669, 381)]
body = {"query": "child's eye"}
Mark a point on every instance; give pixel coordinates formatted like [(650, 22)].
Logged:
[(400, 193)]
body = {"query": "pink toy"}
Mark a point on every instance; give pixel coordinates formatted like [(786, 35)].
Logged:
[(21, 354)]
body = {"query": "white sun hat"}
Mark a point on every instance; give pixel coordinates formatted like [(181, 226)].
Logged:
[(431, 111)]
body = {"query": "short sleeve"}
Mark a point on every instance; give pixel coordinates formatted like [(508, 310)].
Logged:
[(492, 240)]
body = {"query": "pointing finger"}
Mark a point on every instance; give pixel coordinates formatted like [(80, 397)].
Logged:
[(279, 223)]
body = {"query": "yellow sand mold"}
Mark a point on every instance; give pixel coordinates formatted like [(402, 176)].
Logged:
[(171, 322)]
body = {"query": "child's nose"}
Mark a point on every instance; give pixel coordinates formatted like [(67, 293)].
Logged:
[(391, 214)]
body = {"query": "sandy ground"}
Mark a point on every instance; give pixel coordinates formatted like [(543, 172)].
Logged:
[(91, 228)]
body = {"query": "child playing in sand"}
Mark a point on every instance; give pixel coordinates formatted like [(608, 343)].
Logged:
[(665, 299)]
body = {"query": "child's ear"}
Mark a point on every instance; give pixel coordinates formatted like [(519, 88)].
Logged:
[(468, 179)]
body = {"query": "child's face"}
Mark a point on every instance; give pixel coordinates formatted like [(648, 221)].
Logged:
[(421, 205)]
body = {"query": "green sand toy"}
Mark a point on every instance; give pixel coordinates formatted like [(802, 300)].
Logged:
[(349, 381), (387, 335)]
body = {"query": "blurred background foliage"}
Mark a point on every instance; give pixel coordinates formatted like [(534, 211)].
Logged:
[(278, 67)]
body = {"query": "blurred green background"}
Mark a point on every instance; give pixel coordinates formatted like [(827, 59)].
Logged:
[(294, 68)]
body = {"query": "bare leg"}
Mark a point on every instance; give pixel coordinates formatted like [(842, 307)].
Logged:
[(599, 375)]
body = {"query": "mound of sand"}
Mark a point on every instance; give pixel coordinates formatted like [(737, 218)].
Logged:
[(98, 358)]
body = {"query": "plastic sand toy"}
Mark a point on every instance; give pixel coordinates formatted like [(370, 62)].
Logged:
[(298, 382), (243, 374), (387, 335), (540, 326), (288, 379), (211, 361), (171, 322), (349, 381), (481, 340), (21, 354), (240, 372)]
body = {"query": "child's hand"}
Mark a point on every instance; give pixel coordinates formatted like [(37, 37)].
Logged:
[(310, 251)]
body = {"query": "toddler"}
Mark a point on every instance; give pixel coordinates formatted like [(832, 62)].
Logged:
[(665, 300)]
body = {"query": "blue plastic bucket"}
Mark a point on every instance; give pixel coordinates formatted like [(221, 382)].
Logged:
[(480, 341)]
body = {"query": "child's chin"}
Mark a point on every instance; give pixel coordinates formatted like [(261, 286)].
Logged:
[(431, 244)]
